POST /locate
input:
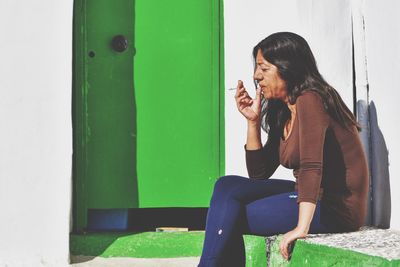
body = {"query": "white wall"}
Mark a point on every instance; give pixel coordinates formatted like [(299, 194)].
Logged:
[(382, 33), (326, 25), (36, 146), (35, 103)]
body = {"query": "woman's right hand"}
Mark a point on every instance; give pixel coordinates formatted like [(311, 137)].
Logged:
[(250, 108)]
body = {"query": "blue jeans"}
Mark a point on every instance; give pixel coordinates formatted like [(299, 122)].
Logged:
[(240, 205)]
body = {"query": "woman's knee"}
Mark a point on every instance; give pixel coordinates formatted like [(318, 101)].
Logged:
[(225, 181)]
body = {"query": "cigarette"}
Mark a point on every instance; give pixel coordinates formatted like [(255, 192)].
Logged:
[(234, 88)]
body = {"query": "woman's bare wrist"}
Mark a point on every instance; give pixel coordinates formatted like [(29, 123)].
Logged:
[(255, 123), (253, 135), (303, 228)]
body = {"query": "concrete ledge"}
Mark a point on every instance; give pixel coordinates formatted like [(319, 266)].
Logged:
[(367, 247), (151, 249), (89, 261)]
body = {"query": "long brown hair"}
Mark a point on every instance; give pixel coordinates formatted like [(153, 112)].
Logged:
[(296, 65)]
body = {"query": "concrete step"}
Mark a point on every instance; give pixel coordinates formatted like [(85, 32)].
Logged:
[(90, 261), (154, 249), (367, 247)]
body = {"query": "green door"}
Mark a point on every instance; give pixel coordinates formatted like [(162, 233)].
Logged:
[(148, 104)]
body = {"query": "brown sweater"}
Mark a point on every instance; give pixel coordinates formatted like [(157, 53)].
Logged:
[(328, 162)]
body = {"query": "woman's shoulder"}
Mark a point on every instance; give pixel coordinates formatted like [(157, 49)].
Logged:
[(311, 108), (310, 95), (310, 99)]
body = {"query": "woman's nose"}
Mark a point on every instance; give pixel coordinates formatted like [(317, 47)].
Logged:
[(257, 76)]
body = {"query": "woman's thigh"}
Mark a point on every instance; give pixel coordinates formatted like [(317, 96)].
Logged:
[(247, 190), (278, 214)]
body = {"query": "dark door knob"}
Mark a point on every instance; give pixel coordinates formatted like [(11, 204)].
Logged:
[(119, 43)]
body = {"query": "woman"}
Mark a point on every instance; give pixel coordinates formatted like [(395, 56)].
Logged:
[(310, 130)]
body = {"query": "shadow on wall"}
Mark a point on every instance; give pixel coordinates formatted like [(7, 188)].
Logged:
[(379, 208), (381, 199)]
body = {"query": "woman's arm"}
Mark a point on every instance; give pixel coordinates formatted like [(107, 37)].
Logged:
[(313, 123), (261, 161), (306, 213), (253, 135)]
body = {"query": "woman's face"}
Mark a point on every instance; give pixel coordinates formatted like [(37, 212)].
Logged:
[(272, 86)]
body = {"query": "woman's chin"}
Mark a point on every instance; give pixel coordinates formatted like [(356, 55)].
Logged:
[(267, 96)]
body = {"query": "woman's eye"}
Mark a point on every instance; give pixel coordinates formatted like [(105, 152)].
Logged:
[(264, 69)]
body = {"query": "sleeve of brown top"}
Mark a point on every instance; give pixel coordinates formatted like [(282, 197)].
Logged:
[(313, 121), (261, 163)]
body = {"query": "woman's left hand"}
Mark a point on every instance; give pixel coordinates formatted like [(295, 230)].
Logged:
[(288, 238)]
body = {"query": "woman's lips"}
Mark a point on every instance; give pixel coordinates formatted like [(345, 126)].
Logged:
[(264, 91)]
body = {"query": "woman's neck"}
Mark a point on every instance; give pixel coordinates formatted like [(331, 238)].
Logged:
[(292, 108)]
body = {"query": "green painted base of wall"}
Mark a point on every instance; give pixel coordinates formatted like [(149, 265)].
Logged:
[(307, 254), (189, 244), (157, 245)]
